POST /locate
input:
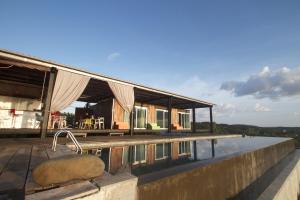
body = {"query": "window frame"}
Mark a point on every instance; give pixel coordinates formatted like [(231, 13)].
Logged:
[(135, 117), (164, 156), (185, 148), (184, 113), (141, 161), (164, 111)]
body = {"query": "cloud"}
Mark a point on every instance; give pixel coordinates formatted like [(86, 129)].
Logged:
[(113, 56), (267, 84), (260, 108), (194, 87), (224, 109)]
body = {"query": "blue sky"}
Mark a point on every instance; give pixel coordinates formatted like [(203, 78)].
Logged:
[(242, 55)]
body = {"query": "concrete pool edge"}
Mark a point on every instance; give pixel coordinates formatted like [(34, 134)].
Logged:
[(236, 171)]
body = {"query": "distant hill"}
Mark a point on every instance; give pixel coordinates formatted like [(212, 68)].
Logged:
[(250, 130)]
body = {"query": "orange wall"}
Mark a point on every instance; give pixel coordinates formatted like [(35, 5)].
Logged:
[(151, 113)]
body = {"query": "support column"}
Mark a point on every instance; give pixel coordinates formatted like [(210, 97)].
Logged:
[(194, 131), (47, 103), (131, 128), (211, 126), (212, 131), (131, 123), (213, 148), (194, 120), (170, 114)]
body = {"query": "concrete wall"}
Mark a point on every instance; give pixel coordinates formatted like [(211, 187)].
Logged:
[(287, 183), (219, 179)]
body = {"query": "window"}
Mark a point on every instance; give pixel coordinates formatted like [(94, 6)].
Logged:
[(162, 118), (140, 117), (162, 151), (139, 154), (184, 147), (184, 120)]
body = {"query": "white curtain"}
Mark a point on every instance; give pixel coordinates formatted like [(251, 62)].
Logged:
[(124, 95), (67, 89)]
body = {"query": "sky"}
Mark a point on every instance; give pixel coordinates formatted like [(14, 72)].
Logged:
[(244, 56)]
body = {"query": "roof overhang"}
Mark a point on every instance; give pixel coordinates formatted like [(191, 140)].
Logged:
[(143, 93)]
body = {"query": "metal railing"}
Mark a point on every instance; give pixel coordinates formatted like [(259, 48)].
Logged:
[(69, 134)]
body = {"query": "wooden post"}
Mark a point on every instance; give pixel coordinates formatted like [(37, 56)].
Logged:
[(213, 148), (211, 120), (170, 114), (46, 110), (194, 120), (195, 149), (131, 128)]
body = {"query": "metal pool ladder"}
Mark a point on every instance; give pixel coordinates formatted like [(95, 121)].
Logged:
[(69, 134)]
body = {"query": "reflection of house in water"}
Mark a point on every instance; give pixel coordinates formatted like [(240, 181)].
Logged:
[(145, 155)]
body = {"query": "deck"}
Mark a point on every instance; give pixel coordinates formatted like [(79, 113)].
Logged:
[(18, 159)]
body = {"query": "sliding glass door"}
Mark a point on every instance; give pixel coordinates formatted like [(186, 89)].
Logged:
[(184, 120), (162, 118), (140, 117)]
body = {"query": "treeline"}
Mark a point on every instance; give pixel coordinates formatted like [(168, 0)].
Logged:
[(293, 132)]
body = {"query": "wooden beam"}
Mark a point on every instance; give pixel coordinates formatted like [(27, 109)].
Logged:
[(47, 104), (21, 64), (170, 114)]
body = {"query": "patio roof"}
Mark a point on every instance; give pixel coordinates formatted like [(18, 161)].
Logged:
[(97, 88)]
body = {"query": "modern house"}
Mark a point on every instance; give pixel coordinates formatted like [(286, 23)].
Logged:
[(32, 90)]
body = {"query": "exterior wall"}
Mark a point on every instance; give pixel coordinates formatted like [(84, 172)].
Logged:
[(115, 159), (104, 109), (151, 112), (175, 150), (150, 154), (220, 179), (118, 112), (287, 183)]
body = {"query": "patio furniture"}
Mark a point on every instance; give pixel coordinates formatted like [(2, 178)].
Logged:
[(99, 123), (176, 126), (121, 125), (153, 126), (62, 123), (87, 123)]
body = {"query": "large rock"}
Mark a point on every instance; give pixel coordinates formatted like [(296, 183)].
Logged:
[(68, 168)]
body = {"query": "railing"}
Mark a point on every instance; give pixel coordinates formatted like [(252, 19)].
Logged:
[(70, 134)]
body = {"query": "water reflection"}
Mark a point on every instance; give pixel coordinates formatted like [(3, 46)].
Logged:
[(229, 146), (142, 159)]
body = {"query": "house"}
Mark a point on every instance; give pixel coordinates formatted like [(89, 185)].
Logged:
[(33, 90)]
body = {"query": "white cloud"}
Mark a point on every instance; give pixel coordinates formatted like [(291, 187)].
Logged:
[(260, 108), (267, 84), (227, 109), (113, 56)]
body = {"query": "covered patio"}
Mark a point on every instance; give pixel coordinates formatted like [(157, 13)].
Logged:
[(52, 87)]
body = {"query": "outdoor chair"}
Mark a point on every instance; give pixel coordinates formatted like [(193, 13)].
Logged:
[(99, 123), (87, 124)]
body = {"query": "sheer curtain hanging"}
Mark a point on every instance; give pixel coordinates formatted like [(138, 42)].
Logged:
[(67, 89), (124, 95)]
